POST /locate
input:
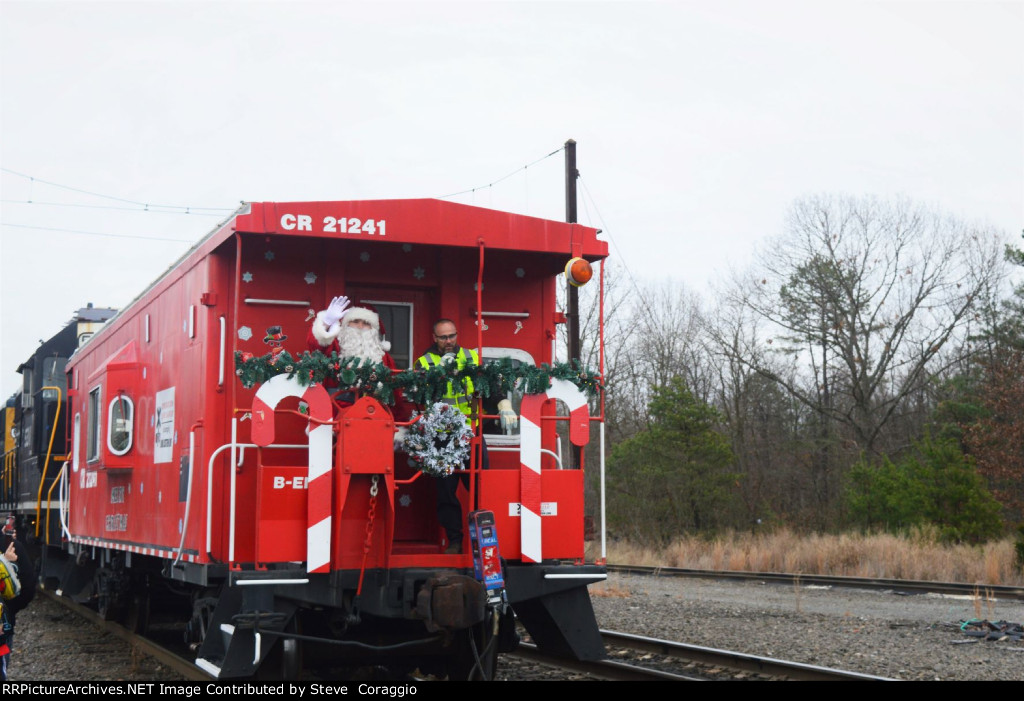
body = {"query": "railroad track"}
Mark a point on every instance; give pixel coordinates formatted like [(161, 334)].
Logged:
[(897, 585), (180, 665), (653, 659), (635, 658), (632, 657)]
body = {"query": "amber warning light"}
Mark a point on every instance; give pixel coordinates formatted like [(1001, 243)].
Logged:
[(578, 272)]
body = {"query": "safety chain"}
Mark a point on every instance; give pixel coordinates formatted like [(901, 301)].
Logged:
[(369, 530)]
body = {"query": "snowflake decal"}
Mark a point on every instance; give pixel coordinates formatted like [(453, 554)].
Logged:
[(245, 333), (407, 247), (364, 256), (520, 272), (269, 255), (418, 272), (310, 278), (405, 500), (246, 277)]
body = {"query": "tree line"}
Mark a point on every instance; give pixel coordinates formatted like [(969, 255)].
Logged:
[(867, 370)]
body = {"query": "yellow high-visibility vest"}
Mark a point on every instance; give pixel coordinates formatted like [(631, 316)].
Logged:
[(460, 397)]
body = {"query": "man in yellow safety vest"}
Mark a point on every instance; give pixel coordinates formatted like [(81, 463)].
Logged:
[(446, 349)]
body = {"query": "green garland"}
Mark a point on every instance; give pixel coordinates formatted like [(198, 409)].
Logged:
[(496, 378)]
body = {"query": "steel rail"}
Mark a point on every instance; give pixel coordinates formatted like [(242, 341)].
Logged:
[(898, 585), (602, 669), (175, 662), (734, 660)]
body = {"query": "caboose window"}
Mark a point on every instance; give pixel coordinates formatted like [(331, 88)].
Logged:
[(120, 418), (492, 427), (92, 452)]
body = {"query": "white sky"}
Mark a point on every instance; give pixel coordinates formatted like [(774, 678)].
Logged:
[(698, 123)]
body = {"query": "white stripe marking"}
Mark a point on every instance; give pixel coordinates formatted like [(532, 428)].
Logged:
[(530, 529), (318, 545), (529, 437)]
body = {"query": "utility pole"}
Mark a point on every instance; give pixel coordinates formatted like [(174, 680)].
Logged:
[(573, 311), (573, 305)]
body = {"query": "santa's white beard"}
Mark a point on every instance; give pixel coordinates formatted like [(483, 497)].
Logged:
[(360, 343)]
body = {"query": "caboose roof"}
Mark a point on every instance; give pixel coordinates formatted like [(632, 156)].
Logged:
[(420, 221), (423, 221)]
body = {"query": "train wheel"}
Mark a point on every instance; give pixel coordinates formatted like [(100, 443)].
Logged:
[(105, 607), (137, 618)]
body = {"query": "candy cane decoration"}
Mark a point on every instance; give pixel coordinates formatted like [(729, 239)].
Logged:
[(529, 456), (318, 481)]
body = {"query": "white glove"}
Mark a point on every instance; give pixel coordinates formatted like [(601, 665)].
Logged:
[(401, 433), (509, 420), (335, 311)]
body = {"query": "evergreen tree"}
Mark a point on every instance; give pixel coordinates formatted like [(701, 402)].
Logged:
[(934, 484), (674, 476)]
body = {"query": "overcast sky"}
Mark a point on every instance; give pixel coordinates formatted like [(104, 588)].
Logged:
[(698, 123)]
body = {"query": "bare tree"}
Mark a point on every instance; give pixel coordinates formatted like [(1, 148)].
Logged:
[(660, 340), (864, 293)]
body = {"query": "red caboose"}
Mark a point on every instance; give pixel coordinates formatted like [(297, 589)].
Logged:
[(293, 514)]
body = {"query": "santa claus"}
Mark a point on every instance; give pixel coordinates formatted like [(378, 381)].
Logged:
[(354, 332)]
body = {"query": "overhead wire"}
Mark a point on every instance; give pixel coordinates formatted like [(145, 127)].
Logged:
[(97, 233), (105, 206), (622, 261), (146, 205), (505, 177)]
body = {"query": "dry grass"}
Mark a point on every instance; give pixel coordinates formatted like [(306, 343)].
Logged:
[(881, 555), (604, 590)]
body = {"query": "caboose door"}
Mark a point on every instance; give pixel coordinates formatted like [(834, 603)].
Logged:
[(404, 318), (407, 322)]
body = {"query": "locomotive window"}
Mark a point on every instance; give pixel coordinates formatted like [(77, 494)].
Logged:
[(120, 416), (54, 375), (26, 388), (92, 452)]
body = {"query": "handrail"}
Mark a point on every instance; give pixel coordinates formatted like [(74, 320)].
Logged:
[(46, 465), (8, 469), (188, 489), (49, 498), (62, 496), (604, 529), (209, 480), (512, 449), (234, 482), (220, 360)]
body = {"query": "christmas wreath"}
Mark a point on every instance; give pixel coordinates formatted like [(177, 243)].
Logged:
[(439, 442)]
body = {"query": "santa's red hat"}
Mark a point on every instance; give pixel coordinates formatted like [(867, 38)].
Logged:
[(368, 314)]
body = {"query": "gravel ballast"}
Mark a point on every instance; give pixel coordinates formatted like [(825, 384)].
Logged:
[(913, 637)]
